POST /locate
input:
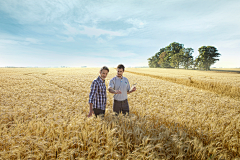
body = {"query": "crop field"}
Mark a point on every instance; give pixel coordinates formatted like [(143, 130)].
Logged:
[(225, 83), (174, 114)]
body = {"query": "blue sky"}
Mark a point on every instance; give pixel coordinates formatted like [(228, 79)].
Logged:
[(94, 33)]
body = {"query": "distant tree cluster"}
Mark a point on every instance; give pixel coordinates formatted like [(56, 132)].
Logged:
[(175, 55)]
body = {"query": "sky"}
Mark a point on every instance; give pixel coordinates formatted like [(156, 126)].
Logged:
[(94, 33)]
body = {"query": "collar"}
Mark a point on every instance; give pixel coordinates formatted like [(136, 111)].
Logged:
[(119, 78), (100, 79)]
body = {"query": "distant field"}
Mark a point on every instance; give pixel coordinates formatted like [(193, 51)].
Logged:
[(226, 83), (174, 114), (232, 70), (226, 69)]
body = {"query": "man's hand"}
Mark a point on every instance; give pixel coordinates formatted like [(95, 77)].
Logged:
[(132, 90), (111, 90), (91, 112), (118, 92)]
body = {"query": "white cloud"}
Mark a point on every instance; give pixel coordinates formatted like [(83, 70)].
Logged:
[(70, 39), (19, 41), (122, 54), (100, 40), (230, 43), (78, 61), (32, 41), (7, 42), (114, 53), (41, 12), (148, 42), (136, 22), (90, 31), (71, 30)]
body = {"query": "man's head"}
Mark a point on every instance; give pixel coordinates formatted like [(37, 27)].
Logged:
[(120, 70), (103, 72)]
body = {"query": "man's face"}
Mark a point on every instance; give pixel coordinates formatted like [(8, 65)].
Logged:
[(119, 72), (103, 74)]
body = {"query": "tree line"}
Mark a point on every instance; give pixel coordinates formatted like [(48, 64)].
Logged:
[(175, 55)]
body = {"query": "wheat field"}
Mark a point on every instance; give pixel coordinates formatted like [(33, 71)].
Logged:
[(225, 83), (173, 115)]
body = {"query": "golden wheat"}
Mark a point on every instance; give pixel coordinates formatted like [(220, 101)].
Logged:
[(43, 116), (221, 83)]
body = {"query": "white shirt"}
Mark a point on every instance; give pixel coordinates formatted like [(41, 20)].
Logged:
[(121, 84)]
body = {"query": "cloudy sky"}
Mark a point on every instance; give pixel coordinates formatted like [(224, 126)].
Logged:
[(93, 33)]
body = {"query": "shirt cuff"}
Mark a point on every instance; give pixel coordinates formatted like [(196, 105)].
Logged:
[(90, 101)]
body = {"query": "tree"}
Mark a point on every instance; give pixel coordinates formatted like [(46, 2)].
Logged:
[(161, 58), (153, 61), (167, 57), (176, 60), (207, 57), (187, 58), (174, 57), (150, 62), (195, 63), (162, 61)]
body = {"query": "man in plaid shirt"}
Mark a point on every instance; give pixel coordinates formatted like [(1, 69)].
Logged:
[(98, 95)]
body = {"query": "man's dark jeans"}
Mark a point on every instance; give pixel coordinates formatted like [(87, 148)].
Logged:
[(98, 112), (121, 106)]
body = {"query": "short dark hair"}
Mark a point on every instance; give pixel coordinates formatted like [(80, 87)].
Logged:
[(104, 68), (121, 66)]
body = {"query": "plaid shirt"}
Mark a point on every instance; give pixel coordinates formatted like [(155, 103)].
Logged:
[(98, 94)]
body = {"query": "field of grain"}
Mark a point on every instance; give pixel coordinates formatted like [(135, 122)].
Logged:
[(43, 115), (226, 83), (226, 69)]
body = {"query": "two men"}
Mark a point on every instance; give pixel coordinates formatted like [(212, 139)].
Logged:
[(119, 86)]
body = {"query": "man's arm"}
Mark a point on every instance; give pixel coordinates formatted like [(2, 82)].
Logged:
[(111, 86), (92, 95), (111, 90), (130, 90), (91, 110)]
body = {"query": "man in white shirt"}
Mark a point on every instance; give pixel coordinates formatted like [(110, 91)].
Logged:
[(120, 87)]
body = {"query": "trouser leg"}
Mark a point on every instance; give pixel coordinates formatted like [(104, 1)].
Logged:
[(116, 107), (98, 112), (125, 107), (120, 106)]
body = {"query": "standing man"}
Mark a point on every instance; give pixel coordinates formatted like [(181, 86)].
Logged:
[(98, 95), (120, 87)]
